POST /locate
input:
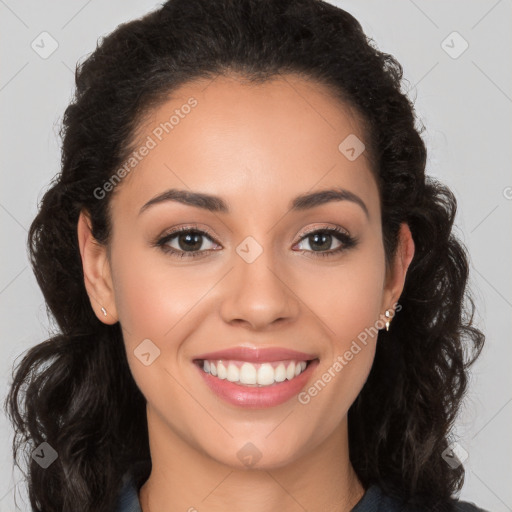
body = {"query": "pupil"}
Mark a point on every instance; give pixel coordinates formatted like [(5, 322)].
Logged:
[(326, 240), (196, 243)]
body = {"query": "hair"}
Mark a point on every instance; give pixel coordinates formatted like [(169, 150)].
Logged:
[(75, 390)]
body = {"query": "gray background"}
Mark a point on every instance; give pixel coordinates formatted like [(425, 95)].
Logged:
[(465, 103)]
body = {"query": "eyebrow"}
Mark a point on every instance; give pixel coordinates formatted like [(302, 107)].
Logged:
[(216, 204)]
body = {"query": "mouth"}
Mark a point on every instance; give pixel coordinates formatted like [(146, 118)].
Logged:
[(256, 375)]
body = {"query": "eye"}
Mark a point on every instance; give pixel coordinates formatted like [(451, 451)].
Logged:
[(188, 242), (322, 239), (185, 242)]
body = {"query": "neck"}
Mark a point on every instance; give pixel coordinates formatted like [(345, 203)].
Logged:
[(184, 478)]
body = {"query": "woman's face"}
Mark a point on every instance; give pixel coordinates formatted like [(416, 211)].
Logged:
[(264, 276)]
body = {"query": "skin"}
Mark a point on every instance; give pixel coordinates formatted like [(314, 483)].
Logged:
[(257, 147)]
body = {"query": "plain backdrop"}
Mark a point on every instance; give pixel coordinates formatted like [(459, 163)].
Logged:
[(456, 60)]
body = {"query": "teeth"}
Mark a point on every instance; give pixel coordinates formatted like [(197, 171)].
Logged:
[(265, 375), (262, 374), (233, 373), (221, 371), (248, 374)]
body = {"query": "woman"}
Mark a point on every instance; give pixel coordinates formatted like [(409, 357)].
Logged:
[(259, 294)]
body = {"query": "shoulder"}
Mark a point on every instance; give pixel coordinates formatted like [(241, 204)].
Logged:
[(128, 496), (375, 500), (466, 506), (128, 499)]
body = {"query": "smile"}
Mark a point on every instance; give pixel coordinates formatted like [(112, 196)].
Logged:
[(255, 385), (253, 374)]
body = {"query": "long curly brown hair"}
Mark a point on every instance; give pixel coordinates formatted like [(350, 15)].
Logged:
[(75, 390)]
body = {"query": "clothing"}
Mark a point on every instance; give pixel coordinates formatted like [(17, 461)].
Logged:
[(128, 497), (373, 500)]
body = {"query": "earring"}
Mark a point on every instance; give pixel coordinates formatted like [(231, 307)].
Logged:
[(104, 311), (388, 315)]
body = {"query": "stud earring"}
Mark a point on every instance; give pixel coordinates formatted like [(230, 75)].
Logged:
[(104, 311), (388, 315)]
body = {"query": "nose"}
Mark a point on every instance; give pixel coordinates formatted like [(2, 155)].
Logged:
[(258, 294)]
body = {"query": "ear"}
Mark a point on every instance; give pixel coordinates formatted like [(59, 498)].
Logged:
[(97, 274), (395, 277)]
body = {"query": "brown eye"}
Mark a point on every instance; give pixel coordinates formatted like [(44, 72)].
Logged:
[(185, 242), (320, 241)]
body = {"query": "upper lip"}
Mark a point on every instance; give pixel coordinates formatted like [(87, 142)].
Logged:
[(257, 355)]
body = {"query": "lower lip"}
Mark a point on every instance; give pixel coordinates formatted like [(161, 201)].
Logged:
[(258, 397)]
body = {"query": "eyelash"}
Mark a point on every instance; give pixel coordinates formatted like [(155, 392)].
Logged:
[(347, 241)]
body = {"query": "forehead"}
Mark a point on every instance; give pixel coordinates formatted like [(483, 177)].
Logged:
[(268, 142)]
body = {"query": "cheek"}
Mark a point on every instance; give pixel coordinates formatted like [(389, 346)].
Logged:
[(358, 299), (349, 308), (154, 302), (347, 297), (151, 295)]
